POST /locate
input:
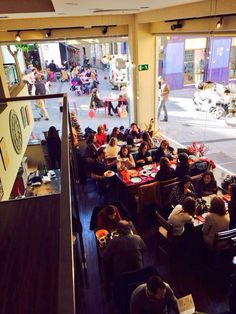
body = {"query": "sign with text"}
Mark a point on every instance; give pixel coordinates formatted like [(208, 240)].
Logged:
[(143, 67)]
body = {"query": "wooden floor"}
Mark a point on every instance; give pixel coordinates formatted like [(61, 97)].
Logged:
[(209, 296)]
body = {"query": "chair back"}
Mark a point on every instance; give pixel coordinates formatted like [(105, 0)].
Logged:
[(164, 227), (225, 239), (149, 194), (165, 193)]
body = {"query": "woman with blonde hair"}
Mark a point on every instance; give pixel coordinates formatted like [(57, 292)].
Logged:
[(112, 148)]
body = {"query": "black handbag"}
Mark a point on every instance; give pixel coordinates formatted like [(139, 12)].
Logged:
[(227, 181)]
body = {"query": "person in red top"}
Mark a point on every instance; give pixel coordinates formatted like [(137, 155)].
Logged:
[(108, 218), (101, 136)]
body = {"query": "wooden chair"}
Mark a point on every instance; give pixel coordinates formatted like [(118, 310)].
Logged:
[(148, 194), (219, 257), (165, 193), (165, 234)]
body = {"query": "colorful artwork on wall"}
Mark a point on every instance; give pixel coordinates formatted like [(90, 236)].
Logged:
[(3, 153), (27, 113), (1, 190), (23, 116)]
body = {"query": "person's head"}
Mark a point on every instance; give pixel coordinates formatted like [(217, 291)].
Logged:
[(100, 129), (185, 182), (189, 205), (110, 212), (183, 159), (115, 132), (156, 288), (143, 147), (123, 227), (208, 177), (217, 206), (160, 79), (52, 61), (113, 141), (91, 139), (122, 129), (164, 163), (101, 153), (134, 127), (146, 136), (124, 151), (130, 140), (52, 132), (164, 144)]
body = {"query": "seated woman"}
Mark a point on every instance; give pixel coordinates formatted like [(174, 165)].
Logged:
[(206, 185), (165, 150), (182, 215), (115, 133), (123, 98), (108, 218), (182, 168), (147, 138), (91, 148), (112, 148), (101, 136), (126, 157), (217, 220), (166, 172), (181, 191), (232, 205), (97, 102), (143, 157)]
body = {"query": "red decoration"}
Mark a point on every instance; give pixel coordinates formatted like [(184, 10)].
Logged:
[(105, 77), (91, 113)]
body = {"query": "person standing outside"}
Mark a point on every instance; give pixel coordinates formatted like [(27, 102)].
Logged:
[(163, 97)]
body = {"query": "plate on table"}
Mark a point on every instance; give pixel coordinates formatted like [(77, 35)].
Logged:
[(147, 167), (121, 143), (109, 173), (153, 175), (135, 179), (145, 173)]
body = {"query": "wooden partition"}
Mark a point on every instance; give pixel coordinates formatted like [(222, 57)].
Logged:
[(29, 255)]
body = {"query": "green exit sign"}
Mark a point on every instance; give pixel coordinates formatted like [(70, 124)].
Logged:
[(143, 67)]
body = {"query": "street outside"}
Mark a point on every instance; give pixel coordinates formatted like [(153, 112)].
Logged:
[(184, 126)]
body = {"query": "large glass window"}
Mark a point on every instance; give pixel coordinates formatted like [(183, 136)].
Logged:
[(232, 63)]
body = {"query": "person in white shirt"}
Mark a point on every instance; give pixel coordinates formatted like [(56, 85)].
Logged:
[(112, 148), (163, 97), (182, 215)]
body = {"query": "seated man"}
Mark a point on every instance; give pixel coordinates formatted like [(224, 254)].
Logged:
[(154, 297), (124, 253), (100, 166), (96, 102), (133, 131)]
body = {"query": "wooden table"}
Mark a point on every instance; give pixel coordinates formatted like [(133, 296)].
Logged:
[(52, 187)]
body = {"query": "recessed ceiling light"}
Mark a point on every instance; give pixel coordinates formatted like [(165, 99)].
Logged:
[(71, 3), (144, 7)]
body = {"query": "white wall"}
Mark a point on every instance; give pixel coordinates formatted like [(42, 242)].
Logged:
[(50, 51)]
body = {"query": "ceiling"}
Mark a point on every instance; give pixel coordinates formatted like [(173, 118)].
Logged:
[(13, 9)]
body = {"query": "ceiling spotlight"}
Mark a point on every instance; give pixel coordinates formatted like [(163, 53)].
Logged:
[(18, 36), (48, 33), (104, 30), (219, 23), (177, 25)]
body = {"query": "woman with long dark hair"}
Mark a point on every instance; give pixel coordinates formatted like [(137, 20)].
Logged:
[(54, 148), (182, 168), (125, 157), (166, 172), (206, 185), (143, 157), (181, 191)]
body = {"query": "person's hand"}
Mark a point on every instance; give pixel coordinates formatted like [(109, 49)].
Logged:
[(149, 158), (187, 191), (141, 161)]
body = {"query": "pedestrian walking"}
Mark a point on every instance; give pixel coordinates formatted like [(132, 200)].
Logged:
[(163, 97)]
